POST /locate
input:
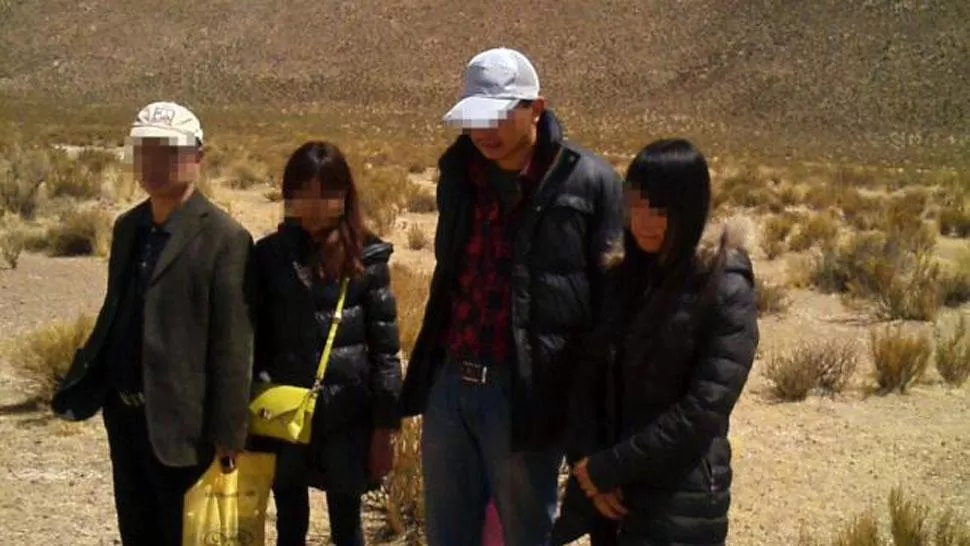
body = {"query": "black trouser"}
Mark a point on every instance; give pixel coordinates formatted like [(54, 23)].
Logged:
[(293, 516), (148, 494)]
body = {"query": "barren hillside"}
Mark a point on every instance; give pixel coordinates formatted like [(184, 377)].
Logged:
[(853, 75)]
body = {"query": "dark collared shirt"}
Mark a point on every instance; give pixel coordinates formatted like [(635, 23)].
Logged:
[(125, 340), (481, 325)]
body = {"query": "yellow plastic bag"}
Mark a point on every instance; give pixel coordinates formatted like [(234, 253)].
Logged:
[(230, 509)]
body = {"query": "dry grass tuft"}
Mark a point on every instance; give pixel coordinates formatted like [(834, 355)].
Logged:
[(85, 232), (900, 359), (895, 269), (12, 239), (821, 229), (909, 525), (420, 200), (746, 189), (826, 367), (44, 355), (417, 238), (775, 232), (953, 353), (771, 298), (21, 174), (247, 173), (954, 218), (384, 192)]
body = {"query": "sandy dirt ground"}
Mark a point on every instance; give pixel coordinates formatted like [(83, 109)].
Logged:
[(815, 464)]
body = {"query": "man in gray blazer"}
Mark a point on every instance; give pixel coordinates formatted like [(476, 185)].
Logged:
[(169, 359)]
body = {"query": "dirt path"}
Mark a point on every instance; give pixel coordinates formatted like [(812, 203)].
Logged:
[(816, 463)]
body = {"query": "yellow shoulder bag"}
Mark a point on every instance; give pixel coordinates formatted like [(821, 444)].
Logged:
[(285, 412)]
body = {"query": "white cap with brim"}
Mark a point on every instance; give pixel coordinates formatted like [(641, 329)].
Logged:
[(167, 120), (494, 82)]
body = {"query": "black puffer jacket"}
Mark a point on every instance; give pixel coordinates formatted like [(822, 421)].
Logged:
[(363, 377), (557, 277), (652, 410)]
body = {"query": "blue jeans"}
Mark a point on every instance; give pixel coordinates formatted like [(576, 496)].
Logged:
[(467, 459)]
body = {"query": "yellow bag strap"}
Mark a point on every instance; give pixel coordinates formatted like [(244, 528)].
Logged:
[(337, 316)]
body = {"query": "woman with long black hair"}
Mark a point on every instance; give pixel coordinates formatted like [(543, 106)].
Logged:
[(648, 440), (301, 268)]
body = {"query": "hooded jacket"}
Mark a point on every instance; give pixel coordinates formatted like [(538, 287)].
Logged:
[(652, 406), (559, 246)]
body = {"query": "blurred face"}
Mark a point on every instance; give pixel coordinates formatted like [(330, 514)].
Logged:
[(647, 224), (512, 136), (163, 169), (314, 208)]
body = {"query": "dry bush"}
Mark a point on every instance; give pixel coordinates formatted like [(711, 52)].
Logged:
[(247, 173), (72, 178), (826, 367), (900, 359), (820, 229), (44, 355), (746, 189), (954, 283), (910, 524), (860, 211), (770, 298), (21, 174), (12, 239), (273, 195), (954, 219), (97, 161), (953, 353), (417, 238), (896, 270), (85, 232), (384, 191), (774, 234), (420, 200), (909, 520)]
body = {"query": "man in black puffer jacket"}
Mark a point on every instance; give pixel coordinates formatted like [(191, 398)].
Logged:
[(525, 219)]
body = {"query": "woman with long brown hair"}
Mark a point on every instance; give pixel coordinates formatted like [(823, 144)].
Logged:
[(301, 266)]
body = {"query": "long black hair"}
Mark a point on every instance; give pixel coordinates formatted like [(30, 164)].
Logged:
[(673, 175)]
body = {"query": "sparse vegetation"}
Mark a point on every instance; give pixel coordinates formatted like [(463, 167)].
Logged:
[(820, 229), (44, 355), (404, 495), (417, 238), (953, 352), (420, 200), (824, 366), (895, 269), (12, 239), (900, 358), (910, 524), (85, 232), (246, 173), (771, 298), (774, 234)]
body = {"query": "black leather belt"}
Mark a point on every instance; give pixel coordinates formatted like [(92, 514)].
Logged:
[(472, 372)]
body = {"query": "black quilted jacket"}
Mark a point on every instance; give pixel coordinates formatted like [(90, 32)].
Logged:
[(653, 404)]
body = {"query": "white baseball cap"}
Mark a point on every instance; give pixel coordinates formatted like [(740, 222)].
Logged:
[(167, 120), (495, 81)]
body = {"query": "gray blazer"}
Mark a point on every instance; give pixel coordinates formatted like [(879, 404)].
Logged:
[(198, 334)]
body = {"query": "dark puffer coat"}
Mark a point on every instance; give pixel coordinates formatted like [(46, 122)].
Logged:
[(654, 421), (363, 377), (557, 278)]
